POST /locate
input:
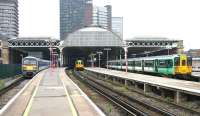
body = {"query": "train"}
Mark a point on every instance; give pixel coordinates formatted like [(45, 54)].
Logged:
[(196, 64), (79, 65), (177, 65), (32, 65)]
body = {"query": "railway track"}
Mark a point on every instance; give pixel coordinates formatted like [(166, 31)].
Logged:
[(11, 86), (11, 90), (131, 106)]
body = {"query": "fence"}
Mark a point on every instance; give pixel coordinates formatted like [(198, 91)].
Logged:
[(9, 70)]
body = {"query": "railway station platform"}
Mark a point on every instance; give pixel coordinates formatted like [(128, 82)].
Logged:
[(51, 93), (179, 88)]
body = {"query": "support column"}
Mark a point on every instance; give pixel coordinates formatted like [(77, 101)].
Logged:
[(162, 93), (114, 79), (61, 56), (179, 97), (147, 88), (126, 83)]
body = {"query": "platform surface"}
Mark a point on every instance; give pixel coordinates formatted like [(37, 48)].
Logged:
[(50, 98), (52, 93), (182, 85), (57, 95)]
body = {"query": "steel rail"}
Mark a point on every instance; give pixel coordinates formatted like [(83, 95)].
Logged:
[(11, 86)]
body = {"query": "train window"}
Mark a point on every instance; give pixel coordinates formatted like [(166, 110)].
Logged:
[(130, 63), (162, 64), (183, 62), (30, 61), (123, 63), (138, 63), (170, 63), (177, 61), (189, 62), (149, 63)]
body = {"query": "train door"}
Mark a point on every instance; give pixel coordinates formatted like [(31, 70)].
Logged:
[(133, 65), (143, 65), (156, 65)]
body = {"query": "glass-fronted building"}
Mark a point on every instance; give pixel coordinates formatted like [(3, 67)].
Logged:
[(102, 17), (9, 18), (74, 14), (117, 26)]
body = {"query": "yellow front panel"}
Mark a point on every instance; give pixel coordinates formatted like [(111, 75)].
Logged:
[(183, 69), (29, 68)]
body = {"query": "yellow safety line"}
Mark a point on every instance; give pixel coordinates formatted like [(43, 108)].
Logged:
[(73, 109), (28, 108)]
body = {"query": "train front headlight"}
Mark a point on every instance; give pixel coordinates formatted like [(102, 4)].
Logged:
[(23, 67), (34, 68)]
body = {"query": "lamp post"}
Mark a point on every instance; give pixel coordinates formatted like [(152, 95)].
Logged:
[(51, 56), (146, 52), (92, 59), (133, 55), (99, 53), (22, 56), (126, 57), (168, 48), (107, 49)]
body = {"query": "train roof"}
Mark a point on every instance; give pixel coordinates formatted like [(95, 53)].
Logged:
[(151, 57), (32, 57), (196, 58)]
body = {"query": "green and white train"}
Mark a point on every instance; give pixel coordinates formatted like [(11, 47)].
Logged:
[(169, 65)]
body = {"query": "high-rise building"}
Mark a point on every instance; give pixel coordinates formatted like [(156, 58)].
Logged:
[(74, 14), (117, 26), (9, 18), (102, 16)]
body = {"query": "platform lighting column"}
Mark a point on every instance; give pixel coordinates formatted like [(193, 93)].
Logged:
[(92, 59), (50, 55), (126, 59), (99, 53), (147, 53), (107, 49), (168, 48), (61, 56), (22, 56)]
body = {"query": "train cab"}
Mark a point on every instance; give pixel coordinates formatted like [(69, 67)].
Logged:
[(79, 65), (29, 66), (183, 65)]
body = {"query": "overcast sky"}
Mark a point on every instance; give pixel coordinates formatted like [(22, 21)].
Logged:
[(174, 19)]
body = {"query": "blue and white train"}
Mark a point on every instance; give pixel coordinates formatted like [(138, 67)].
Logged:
[(32, 65)]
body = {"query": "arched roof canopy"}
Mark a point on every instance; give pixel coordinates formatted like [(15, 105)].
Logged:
[(92, 37)]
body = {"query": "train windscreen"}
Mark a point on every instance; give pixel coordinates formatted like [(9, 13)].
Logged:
[(177, 61), (29, 62)]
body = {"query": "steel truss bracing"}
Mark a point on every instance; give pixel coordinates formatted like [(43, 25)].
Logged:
[(33, 42), (154, 43)]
